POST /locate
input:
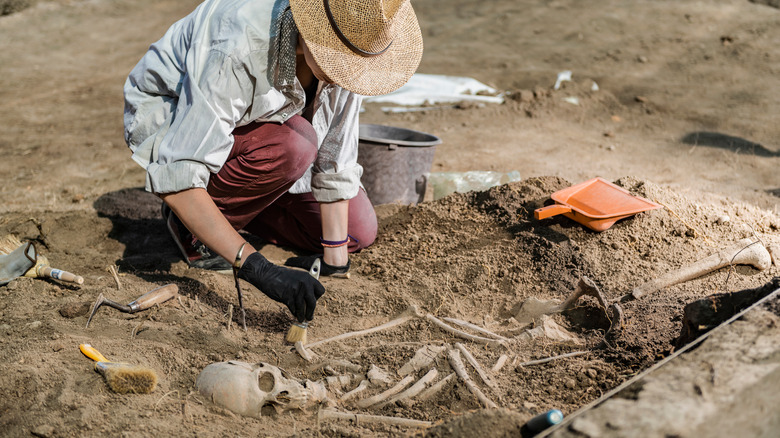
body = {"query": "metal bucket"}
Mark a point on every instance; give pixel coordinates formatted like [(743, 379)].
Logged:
[(396, 163)]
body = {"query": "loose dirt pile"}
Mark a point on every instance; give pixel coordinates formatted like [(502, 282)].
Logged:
[(675, 101), (473, 257)]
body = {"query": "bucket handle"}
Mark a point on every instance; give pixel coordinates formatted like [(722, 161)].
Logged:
[(551, 210)]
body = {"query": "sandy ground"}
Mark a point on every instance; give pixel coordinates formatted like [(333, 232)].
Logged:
[(683, 116)]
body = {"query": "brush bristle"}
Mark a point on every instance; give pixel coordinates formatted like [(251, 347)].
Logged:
[(297, 333), (128, 379), (9, 243)]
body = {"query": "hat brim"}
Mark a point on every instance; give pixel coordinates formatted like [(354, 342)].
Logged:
[(369, 76)]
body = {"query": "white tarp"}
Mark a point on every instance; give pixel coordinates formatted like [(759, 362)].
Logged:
[(425, 89)]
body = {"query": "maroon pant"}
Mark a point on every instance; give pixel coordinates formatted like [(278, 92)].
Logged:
[(251, 188)]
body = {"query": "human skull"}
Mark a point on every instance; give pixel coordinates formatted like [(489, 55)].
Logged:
[(246, 388)]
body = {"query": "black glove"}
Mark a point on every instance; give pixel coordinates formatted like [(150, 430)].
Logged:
[(306, 262), (298, 290)]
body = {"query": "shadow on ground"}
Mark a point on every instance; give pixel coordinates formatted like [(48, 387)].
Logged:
[(137, 224), (730, 143)]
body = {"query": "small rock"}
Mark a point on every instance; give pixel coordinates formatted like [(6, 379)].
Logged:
[(72, 310), (526, 95), (641, 99), (43, 431), (57, 347), (590, 372), (642, 59), (570, 383), (35, 324), (722, 219)]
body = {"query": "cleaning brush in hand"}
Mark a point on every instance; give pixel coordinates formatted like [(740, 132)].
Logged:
[(122, 378), (297, 332)]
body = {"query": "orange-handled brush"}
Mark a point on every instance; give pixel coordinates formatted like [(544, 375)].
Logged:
[(122, 378)]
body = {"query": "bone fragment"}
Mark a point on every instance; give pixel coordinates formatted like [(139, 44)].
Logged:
[(474, 327), (460, 370), (305, 354), (413, 390), (473, 361), (744, 252), (462, 334), (337, 383), (422, 359), (411, 313), (366, 402), (112, 270), (338, 363), (550, 359), (430, 392), (378, 376), (358, 389), (499, 364), (329, 414)]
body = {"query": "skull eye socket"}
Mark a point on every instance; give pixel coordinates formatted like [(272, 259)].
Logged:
[(266, 382)]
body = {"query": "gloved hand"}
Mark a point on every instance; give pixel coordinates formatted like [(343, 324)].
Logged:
[(298, 290), (306, 262)]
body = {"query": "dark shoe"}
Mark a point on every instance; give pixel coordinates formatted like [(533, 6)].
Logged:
[(195, 253)]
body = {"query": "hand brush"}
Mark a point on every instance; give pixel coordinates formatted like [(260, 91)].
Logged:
[(41, 268), (298, 330), (122, 378)]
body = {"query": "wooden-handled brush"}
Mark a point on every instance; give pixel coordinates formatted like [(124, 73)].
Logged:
[(122, 378), (41, 269), (298, 330)]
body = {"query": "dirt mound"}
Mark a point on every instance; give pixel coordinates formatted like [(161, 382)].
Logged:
[(475, 257)]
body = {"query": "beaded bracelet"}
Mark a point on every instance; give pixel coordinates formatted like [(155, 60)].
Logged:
[(337, 243)]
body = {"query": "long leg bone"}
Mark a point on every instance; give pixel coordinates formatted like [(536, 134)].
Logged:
[(329, 414), (474, 327), (473, 361), (413, 390), (460, 370), (411, 313), (744, 252), (366, 402), (462, 334)]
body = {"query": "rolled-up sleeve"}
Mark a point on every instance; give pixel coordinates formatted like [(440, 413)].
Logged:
[(336, 173), (200, 137)]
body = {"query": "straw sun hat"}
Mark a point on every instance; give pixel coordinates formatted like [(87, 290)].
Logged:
[(369, 47)]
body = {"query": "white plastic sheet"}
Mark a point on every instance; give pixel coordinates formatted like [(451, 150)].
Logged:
[(426, 89)]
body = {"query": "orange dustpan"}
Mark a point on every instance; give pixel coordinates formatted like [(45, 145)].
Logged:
[(596, 203)]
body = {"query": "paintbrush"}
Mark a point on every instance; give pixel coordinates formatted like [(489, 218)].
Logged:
[(298, 330), (122, 378), (41, 269)]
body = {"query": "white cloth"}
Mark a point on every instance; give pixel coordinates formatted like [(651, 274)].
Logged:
[(213, 71)]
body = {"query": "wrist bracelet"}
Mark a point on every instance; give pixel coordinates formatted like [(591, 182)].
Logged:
[(337, 243), (237, 262)]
